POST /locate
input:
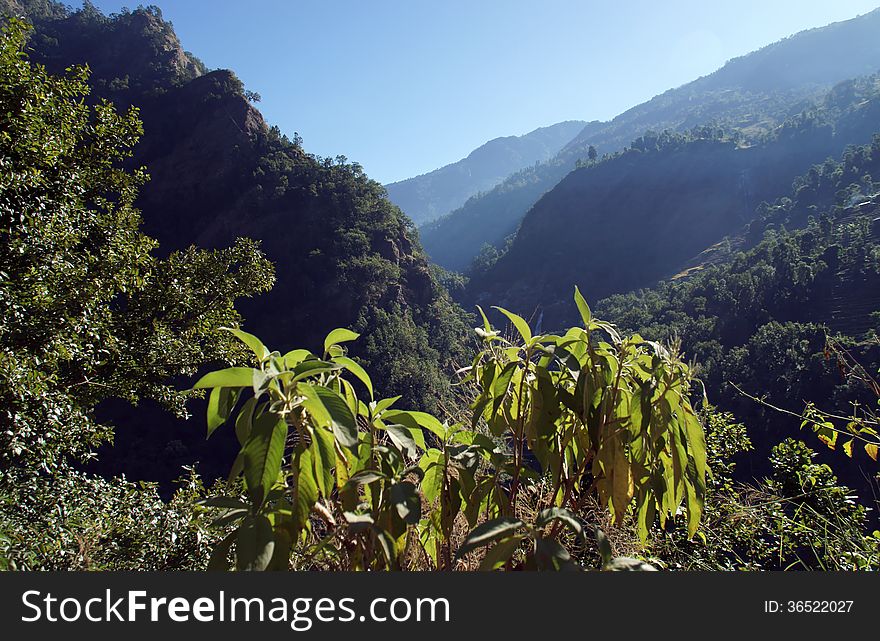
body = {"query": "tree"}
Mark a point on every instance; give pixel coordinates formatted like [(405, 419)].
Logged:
[(87, 311), (592, 154)]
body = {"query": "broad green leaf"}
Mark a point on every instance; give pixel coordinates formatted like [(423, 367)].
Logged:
[(488, 532), (244, 420), (871, 450), (221, 402), (251, 341), (329, 409), (310, 368), (696, 440), (229, 377), (305, 489), (407, 502), (564, 516), (387, 544), (432, 481), (339, 335), (583, 308), (486, 325), (295, 357), (384, 404), (262, 455), (358, 371), (407, 440), (551, 555), (500, 553), (416, 420), (519, 322), (255, 543), (343, 422), (324, 458), (365, 477)]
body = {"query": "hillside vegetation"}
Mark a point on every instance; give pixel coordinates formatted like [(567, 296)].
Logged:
[(639, 216), (218, 351), (753, 94)]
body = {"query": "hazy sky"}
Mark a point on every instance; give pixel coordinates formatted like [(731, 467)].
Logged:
[(406, 86)]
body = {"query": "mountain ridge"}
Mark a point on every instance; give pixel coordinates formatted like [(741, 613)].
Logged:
[(431, 195), (456, 239)]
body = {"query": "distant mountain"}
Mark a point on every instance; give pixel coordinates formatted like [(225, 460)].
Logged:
[(753, 94), (429, 196), (638, 216), (344, 255)]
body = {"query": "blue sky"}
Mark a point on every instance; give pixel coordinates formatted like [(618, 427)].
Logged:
[(406, 86)]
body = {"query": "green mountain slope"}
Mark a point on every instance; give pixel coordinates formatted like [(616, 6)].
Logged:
[(344, 255), (429, 196), (639, 216), (753, 93), (757, 320)]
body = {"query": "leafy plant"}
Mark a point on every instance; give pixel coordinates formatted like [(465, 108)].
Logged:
[(334, 477)]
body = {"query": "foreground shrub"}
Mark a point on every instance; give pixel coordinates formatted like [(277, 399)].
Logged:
[(333, 477)]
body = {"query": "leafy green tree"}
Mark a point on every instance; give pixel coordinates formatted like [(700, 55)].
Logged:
[(87, 311)]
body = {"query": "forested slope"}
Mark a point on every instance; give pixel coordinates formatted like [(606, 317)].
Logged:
[(754, 94)]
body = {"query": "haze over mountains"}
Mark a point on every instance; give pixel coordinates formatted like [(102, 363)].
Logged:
[(429, 196), (753, 94)]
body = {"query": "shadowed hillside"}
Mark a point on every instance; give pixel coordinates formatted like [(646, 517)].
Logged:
[(754, 94)]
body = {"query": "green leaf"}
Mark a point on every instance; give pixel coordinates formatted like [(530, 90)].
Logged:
[(337, 336), (229, 377), (488, 532), (305, 488), (295, 357), (342, 421), (244, 420), (583, 308), (387, 544), (384, 404), (406, 499), (358, 371), (432, 480), (551, 555), (519, 322), (871, 450), (255, 544), (564, 516), (310, 368), (406, 439), (262, 455), (486, 325), (257, 347), (365, 477), (221, 402), (324, 457), (416, 420), (500, 553)]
